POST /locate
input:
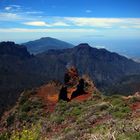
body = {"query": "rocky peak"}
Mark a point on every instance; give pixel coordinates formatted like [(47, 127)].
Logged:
[(71, 75), (45, 38), (83, 45), (76, 86), (83, 48), (12, 49)]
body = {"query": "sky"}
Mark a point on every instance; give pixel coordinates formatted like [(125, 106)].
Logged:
[(75, 21)]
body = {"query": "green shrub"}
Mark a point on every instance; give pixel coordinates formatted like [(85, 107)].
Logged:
[(134, 99), (26, 106), (4, 136), (134, 136), (27, 134), (119, 107), (66, 130), (117, 102), (37, 104), (23, 116), (103, 106), (102, 129), (57, 119), (10, 119), (97, 95), (24, 97), (76, 111), (120, 111), (62, 106)]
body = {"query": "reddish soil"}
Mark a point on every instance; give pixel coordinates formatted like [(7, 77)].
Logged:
[(136, 109), (83, 97), (136, 106), (49, 94)]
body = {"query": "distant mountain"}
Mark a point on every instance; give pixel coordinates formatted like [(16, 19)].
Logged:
[(46, 43), (19, 70)]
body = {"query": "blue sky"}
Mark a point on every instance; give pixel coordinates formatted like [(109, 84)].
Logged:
[(71, 20)]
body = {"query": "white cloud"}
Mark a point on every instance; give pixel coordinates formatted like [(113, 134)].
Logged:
[(36, 23), (26, 30), (88, 11), (8, 8), (17, 6), (42, 23), (30, 18), (100, 46), (60, 24), (124, 27), (104, 22), (136, 26), (12, 8), (34, 12), (9, 16), (95, 22)]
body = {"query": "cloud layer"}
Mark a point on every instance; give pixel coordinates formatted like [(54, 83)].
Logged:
[(33, 19), (36, 23), (17, 20)]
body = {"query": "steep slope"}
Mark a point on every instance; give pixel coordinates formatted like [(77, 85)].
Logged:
[(104, 67), (19, 70), (91, 115), (46, 43), (99, 117), (125, 86)]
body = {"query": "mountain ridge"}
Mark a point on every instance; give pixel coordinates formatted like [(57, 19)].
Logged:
[(86, 58), (17, 74)]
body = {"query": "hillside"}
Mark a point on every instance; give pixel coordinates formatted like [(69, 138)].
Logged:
[(46, 43), (20, 71), (104, 67), (126, 85), (97, 117)]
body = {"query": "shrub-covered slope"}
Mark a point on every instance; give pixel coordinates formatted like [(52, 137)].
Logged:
[(99, 117)]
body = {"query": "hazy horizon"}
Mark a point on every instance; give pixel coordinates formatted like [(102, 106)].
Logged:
[(114, 25)]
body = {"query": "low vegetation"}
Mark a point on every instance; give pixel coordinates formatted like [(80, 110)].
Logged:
[(99, 118)]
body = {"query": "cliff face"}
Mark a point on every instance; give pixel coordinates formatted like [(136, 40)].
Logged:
[(76, 86), (12, 49), (17, 73)]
